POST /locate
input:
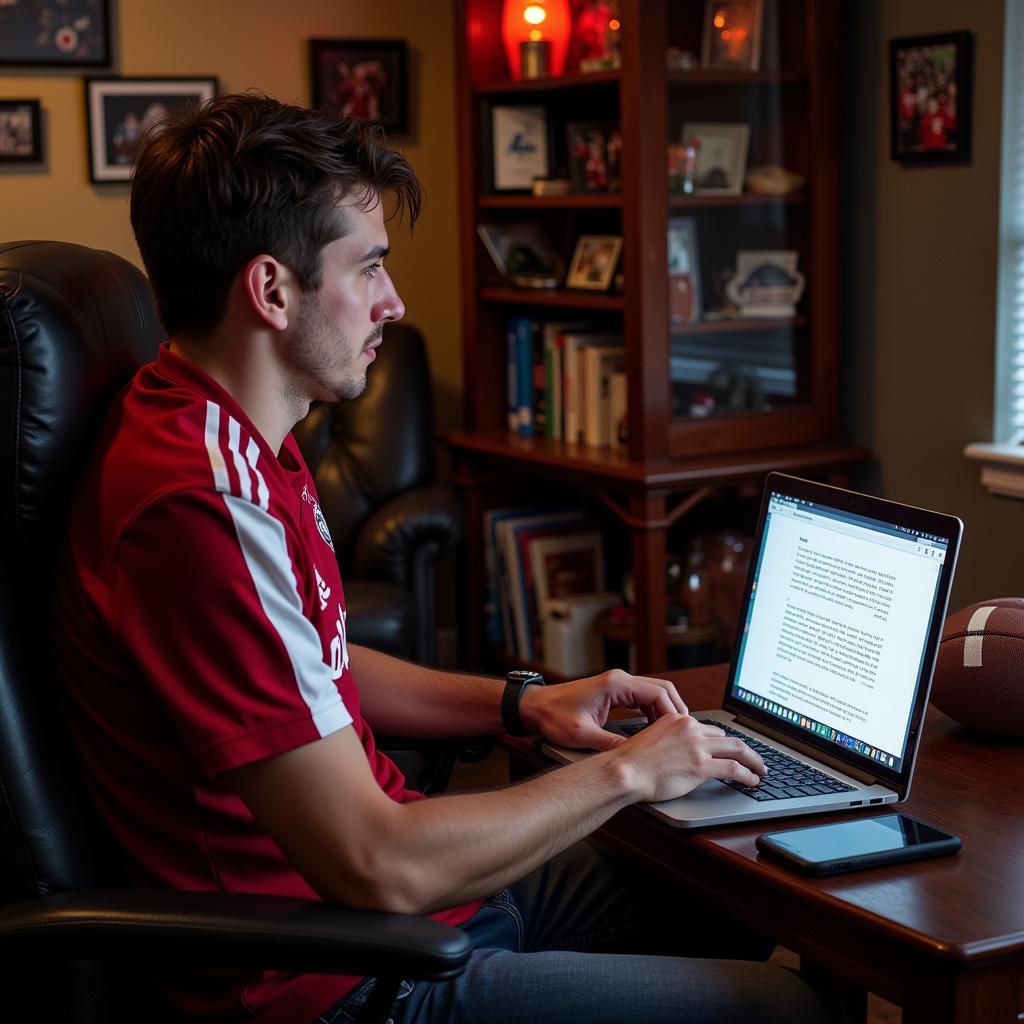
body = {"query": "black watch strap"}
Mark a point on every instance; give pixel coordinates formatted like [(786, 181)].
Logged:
[(515, 683)]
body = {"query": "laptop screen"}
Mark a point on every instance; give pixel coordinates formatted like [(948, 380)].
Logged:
[(837, 623)]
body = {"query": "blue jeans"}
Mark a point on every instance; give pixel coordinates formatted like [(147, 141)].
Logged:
[(584, 940)]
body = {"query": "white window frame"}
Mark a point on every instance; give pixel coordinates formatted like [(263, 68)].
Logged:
[(1002, 460)]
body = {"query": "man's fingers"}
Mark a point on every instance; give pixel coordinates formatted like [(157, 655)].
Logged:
[(728, 769), (659, 694), (726, 749)]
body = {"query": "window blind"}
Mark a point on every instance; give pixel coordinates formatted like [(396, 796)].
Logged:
[(1009, 425)]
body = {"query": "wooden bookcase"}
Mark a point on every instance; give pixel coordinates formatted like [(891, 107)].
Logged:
[(674, 458)]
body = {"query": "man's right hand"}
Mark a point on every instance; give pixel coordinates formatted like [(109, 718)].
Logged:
[(676, 754)]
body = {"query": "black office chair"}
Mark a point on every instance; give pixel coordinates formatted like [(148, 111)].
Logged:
[(74, 325), (372, 460)]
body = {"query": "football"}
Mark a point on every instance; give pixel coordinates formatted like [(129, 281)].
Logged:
[(979, 674)]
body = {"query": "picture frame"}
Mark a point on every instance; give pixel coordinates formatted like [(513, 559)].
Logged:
[(684, 289), (930, 79), (594, 150), (365, 79), (594, 262), (35, 35), (522, 254), (732, 34), (21, 132), (119, 110), (519, 146), (721, 156)]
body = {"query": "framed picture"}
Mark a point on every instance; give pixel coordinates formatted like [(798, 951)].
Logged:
[(594, 261), (21, 132), (58, 33), (523, 254), (930, 98), (520, 147), (362, 78), (721, 156), (684, 299), (595, 150), (732, 34), (119, 110)]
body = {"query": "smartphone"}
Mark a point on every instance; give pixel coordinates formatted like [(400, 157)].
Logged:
[(856, 844)]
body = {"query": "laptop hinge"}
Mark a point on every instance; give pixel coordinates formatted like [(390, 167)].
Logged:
[(819, 755)]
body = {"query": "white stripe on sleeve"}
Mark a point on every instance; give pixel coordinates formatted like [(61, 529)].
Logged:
[(241, 468), (217, 464), (262, 540), (252, 453)]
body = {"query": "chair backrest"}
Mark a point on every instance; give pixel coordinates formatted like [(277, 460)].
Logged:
[(364, 452), (75, 323)]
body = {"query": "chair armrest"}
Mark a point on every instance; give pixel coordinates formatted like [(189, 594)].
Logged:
[(231, 929), (468, 749), (394, 536)]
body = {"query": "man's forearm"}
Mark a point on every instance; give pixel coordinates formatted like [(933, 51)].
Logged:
[(403, 699)]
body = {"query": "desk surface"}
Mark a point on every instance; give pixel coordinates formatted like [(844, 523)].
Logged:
[(919, 921)]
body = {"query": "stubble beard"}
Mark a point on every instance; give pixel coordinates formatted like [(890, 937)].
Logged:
[(316, 348)]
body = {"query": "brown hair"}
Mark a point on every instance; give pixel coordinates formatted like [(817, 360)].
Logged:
[(217, 184)]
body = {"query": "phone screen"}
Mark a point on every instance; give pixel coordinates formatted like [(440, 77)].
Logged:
[(857, 838)]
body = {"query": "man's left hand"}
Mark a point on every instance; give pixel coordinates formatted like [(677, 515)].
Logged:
[(573, 714)]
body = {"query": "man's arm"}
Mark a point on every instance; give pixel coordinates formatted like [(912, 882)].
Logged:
[(402, 699), (355, 845)]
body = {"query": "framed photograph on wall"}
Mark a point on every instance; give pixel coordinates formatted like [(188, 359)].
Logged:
[(684, 298), (519, 137), (930, 98), (119, 110), (60, 33), (721, 156), (21, 132), (732, 34), (594, 261), (366, 79)]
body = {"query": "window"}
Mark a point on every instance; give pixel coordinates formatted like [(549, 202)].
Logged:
[(1003, 460)]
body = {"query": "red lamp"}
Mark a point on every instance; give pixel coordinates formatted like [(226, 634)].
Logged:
[(536, 21)]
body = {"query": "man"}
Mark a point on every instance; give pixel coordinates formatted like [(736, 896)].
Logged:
[(226, 725)]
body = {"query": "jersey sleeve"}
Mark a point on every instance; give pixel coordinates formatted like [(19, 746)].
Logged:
[(208, 606)]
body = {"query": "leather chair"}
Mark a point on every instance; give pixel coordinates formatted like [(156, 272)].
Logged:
[(74, 325), (373, 463)]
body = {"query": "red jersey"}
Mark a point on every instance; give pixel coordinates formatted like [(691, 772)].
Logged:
[(934, 130), (200, 626)]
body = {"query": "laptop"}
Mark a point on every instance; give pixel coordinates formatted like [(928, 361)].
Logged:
[(835, 649)]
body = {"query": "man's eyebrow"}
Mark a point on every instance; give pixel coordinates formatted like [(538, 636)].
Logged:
[(378, 252)]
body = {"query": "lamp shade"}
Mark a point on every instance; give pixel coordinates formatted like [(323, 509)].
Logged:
[(532, 21)]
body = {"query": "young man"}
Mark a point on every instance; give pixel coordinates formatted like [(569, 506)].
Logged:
[(226, 725)]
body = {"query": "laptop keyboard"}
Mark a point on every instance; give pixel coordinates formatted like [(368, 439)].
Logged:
[(787, 777)]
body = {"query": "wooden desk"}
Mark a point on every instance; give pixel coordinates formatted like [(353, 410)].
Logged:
[(942, 938)]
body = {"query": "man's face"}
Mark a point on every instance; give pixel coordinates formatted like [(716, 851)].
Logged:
[(339, 325)]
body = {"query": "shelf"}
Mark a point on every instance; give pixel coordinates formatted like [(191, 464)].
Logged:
[(572, 80), (739, 324), (722, 77), (523, 201), (553, 297), (676, 202)]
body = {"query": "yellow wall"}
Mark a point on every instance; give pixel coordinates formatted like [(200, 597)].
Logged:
[(260, 44), (919, 251)]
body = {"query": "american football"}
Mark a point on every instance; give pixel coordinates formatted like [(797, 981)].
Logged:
[(979, 675)]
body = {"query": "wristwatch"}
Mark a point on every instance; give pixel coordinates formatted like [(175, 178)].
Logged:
[(515, 683)]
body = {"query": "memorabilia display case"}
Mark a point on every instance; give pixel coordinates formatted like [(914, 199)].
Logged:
[(649, 217)]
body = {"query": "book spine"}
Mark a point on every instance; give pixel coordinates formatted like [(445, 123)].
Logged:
[(618, 409), (524, 377), (570, 390), (511, 374), (540, 384)]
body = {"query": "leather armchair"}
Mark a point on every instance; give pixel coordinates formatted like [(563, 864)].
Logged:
[(74, 325), (373, 463)]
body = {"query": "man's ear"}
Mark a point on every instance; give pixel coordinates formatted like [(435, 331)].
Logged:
[(271, 290)]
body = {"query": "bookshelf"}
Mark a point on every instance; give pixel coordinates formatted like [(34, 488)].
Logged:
[(683, 444)]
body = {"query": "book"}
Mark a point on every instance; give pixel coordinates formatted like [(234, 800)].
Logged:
[(572, 378), (511, 581), (511, 373), (618, 409), (525, 329), (496, 633), (599, 363)]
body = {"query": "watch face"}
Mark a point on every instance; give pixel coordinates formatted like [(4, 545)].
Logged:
[(523, 675)]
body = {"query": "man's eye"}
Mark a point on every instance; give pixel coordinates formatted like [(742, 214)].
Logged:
[(373, 268)]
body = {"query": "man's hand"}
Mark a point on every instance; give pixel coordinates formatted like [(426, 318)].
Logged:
[(573, 714), (676, 754)]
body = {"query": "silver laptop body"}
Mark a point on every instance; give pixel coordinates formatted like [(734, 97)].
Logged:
[(834, 654)]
